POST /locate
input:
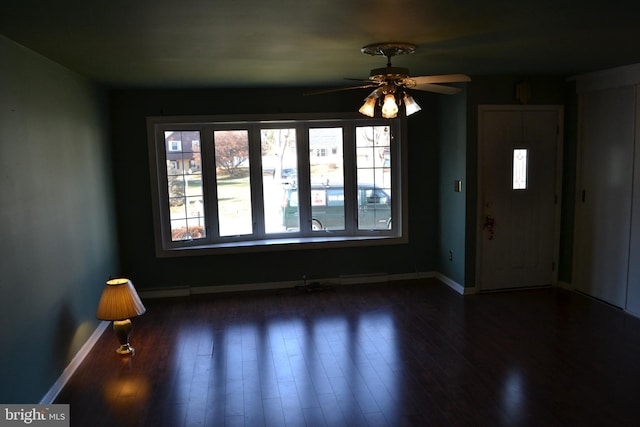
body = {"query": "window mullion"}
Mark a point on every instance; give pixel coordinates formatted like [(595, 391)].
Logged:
[(304, 186), (209, 183), (398, 172), (350, 179), (255, 174)]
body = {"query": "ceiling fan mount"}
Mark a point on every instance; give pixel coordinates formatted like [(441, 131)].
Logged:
[(389, 49)]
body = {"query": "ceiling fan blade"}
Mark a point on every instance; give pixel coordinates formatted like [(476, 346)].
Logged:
[(442, 78), (339, 89), (430, 87)]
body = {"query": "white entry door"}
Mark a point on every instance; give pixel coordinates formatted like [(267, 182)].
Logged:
[(519, 157)]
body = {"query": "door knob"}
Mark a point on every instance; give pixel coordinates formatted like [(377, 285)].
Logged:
[(489, 225)]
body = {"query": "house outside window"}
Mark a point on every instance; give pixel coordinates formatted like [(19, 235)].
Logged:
[(268, 183)]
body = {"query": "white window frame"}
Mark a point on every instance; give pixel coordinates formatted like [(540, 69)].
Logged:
[(260, 241)]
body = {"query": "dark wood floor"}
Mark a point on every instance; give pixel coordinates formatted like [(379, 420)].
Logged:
[(396, 354)]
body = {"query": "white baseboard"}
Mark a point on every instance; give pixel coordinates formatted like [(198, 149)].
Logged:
[(74, 364), (341, 280), (455, 285), (265, 286), (632, 313), (381, 278), (565, 285)]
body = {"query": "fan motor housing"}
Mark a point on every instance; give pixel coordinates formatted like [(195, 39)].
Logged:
[(389, 73)]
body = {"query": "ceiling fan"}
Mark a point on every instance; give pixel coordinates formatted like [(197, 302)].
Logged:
[(391, 83)]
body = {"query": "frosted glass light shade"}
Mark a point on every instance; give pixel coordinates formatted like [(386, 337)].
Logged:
[(368, 108), (410, 105), (389, 108)]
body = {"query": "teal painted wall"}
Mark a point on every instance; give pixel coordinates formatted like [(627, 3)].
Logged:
[(442, 148), (57, 224), (129, 108), (452, 164)]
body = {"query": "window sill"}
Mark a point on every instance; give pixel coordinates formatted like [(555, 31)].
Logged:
[(286, 244)]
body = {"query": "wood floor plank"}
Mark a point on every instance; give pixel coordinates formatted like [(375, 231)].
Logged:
[(392, 354)]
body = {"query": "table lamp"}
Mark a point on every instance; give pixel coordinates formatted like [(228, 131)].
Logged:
[(118, 303)]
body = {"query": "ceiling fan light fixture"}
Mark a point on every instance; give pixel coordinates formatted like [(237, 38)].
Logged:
[(389, 107), (369, 106), (410, 105), (391, 83)]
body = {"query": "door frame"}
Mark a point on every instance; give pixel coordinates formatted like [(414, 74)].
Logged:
[(559, 110)]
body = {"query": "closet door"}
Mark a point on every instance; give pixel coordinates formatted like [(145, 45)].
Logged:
[(604, 186), (633, 286)]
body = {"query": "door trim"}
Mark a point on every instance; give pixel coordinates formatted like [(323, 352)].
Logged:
[(559, 110)]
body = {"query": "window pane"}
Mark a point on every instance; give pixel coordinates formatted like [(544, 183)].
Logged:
[(373, 151), (327, 178), (232, 182), (279, 176), (184, 184), (520, 168)]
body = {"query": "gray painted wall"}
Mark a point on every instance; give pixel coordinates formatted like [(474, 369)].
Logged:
[(57, 224)]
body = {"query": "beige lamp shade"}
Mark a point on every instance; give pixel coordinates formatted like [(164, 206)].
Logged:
[(119, 301)]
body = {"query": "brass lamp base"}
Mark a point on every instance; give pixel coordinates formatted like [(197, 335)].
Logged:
[(125, 349), (122, 328)]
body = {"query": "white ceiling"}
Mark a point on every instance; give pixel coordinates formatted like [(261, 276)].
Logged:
[(224, 43)]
